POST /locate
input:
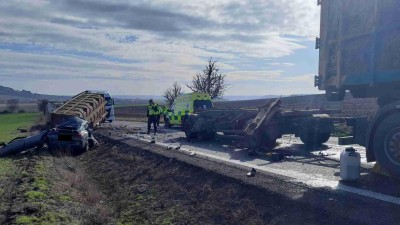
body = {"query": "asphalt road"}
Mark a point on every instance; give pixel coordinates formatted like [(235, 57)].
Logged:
[(316, 168)]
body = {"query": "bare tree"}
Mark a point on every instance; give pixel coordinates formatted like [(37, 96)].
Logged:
[(12, 105), (211, 81), (42, 105), (171, 93)]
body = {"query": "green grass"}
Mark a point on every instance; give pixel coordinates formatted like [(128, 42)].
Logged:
[(32, 195), (27, 220), (6, 167), (341, 130), (11, 122)]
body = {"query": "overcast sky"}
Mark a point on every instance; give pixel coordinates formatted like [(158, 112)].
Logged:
[(143, 46)]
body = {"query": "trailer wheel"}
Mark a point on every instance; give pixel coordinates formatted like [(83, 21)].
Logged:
[(386, 144), (269, 144), (187, 127), (314, 133), (206, 135), (168, 123), (314, 139)]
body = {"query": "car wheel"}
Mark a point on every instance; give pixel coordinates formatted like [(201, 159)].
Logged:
[(91, 143), (86, 147)]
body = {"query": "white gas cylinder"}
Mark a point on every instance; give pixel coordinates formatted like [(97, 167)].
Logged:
[(350, 163)]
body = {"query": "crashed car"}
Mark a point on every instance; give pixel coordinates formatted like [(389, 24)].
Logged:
[(72, 133)]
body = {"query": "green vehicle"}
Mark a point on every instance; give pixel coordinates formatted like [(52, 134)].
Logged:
[(187, 104)]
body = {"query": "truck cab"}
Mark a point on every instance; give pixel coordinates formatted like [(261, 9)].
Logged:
[(187, 104), (109, 105)]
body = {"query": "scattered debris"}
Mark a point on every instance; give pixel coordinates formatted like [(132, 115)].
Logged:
[(71, 168), (323, 154), (142, 188), (252, 173), (289, 157), (22, 130), (192, 153), (275, 157)]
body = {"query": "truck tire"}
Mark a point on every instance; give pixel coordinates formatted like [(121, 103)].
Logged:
[(386, 144), (335, 95), (187, 124)]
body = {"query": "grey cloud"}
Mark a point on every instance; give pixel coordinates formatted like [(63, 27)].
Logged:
[(141, 17), (243, 22)]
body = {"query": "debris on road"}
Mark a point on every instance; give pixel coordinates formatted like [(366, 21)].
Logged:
[(142, 188), (275, 156), (323, 154), (252, 173)]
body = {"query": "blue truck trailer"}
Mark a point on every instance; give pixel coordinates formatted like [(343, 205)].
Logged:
[(359, 48)]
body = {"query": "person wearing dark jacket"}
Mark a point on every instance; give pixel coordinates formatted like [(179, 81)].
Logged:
[(152, 111)]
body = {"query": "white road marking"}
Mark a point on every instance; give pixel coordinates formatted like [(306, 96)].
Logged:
[(312, 181)]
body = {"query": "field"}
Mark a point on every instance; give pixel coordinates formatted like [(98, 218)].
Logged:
[(11, 122), (27, 107), (131, 112), (350, 107)]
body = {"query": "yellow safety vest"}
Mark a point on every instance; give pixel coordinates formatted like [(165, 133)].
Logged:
[(158, 111), (152, 110)]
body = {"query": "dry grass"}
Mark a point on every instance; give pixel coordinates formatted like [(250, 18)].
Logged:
[(75, 183), (27, 107)]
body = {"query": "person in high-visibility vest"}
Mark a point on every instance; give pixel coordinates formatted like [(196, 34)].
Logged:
[(152, 111), (159, 112), (165, 113)]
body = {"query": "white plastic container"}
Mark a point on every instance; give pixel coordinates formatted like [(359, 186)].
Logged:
[(350, 163)]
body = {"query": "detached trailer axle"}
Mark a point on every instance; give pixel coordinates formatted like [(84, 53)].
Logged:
[(261, 128), (23, 143)]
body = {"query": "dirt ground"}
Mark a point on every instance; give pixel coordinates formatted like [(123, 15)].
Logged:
[(120, 184), (145, 188), (40, 188)]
